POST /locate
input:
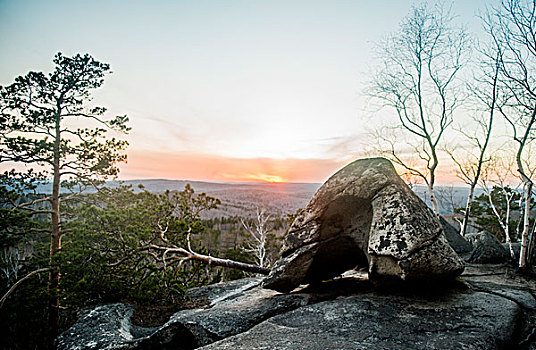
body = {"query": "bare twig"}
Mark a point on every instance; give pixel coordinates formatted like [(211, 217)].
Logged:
[(19, 282)]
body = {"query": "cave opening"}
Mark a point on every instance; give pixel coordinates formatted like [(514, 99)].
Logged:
[(344, 232)]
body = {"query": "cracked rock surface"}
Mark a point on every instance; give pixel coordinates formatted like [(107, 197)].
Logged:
[(364, 215)]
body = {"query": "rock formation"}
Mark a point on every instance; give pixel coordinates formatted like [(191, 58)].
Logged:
[(487, 249), (231, 308), (456, 241), (364, 215), (341, 314), (386, 322)]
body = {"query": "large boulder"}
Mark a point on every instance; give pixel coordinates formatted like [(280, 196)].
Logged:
[(364, 215), (487, 249)]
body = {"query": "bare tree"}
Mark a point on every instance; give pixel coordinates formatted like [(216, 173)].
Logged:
[(470, 160), (11, 260), (172, 254), (258, 233), (419, 80), (512, 27), (497, 174)]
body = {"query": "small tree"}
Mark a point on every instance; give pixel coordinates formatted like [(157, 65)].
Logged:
[(113, 235), (39, 113), (419, 80), (258, 233), (493, 212), (503, 200)]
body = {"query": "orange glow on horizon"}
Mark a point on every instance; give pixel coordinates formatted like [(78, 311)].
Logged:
[(204, 167)]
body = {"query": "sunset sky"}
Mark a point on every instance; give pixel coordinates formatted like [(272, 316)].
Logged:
[(221, 90)]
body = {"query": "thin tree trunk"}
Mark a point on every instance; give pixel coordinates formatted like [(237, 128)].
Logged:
[(526, 224), (189, 254), (432, 170), (231, 264), (55, 242), (532, 242), (433, 198), (507, 224), (467, 210), (519, 222), (479, 167), (528, 191)]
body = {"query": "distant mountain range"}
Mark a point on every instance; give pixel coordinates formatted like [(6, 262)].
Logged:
[(285, 198), (279, 199)]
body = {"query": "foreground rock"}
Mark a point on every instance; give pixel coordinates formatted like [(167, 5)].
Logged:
[(345, 313), (364, 215), (459, 321), (105, 327), (232, 308)]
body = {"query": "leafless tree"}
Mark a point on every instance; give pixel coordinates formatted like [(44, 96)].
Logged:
[(497, 173), (512, 27), (470, 160), (419, 80), (171, 254), (259, 234)]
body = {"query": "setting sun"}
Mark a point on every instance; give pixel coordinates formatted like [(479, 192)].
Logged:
[(266, 178)]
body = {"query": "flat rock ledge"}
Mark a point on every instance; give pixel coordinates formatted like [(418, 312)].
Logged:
[(366, 216), (463, 321), (341, 314), (346, 313)]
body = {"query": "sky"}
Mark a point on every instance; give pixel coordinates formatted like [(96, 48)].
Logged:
[(222, 90)]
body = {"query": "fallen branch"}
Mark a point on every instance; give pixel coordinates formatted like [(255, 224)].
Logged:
[(19, 282), (189, 254)]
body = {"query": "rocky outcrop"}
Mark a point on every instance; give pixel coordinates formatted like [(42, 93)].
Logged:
[(341, 314), (104, 327), (231, 308), (461, 321), (364, 215), (487, 249), (456, 241)]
